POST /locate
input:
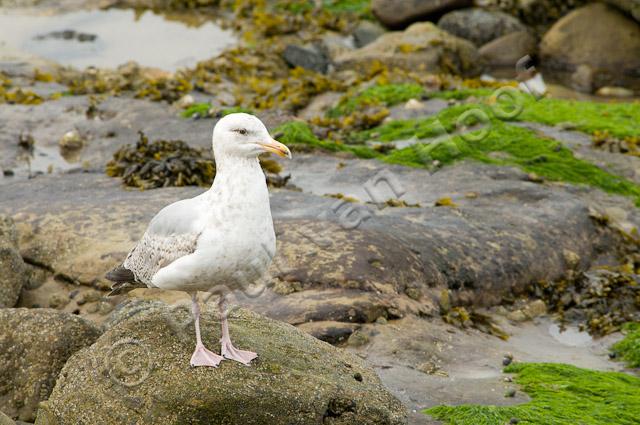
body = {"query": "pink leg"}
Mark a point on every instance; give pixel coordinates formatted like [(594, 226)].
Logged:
[(228, 351), (201, 356)]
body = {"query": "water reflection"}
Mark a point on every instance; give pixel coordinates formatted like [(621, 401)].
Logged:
[(108, 38)]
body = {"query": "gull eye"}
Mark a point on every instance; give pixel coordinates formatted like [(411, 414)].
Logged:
[(242, 131)]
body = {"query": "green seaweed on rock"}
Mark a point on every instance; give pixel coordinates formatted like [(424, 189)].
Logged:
[(473, 131), (629, 348), (204, 109), (560, 395), (379, 94)]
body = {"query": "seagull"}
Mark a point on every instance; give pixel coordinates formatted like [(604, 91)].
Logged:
[(219, 241)]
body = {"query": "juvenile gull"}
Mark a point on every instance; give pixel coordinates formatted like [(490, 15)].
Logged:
[(218, 241)]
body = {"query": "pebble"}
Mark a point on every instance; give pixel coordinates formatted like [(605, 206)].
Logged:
[(58, 301), (185, 101), (510, 393), (71, 141)]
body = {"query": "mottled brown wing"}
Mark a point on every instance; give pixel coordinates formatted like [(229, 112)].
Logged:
[(154, 252)]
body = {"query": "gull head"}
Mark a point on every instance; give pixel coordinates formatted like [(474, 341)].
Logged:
[(244, 135)]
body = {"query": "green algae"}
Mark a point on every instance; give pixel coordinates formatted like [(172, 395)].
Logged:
[(629, 348), (360, 8), (561, 395), (462, 93), (204, 110), (299, 136), (496, 142), (379, 94), (201, 109), (618, 119)]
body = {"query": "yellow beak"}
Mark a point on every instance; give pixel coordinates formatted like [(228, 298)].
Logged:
[(276, 147)]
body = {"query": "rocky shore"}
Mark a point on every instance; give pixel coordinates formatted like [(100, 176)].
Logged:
[(435, 223)]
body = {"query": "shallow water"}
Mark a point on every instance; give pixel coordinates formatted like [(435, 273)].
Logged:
[(570, 336), (120, 36)]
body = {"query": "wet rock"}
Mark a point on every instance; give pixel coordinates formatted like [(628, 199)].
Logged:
[(421, 47), (478, 25), (496, 243), (68, 35), (295, 379), (307, 57), (13, 276), (506, 51), (366, 32), (70, 142), (599, 37), (331, 332), (355, 259), (35, 344), (399, 13)]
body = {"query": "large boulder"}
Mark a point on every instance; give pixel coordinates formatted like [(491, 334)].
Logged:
[(507, 50), (34, 346), (13, 272), (421, 47), (478, 25), (138, 372), (597, 40), (399, 13)]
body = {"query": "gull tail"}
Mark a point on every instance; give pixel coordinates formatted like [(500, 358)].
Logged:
[(123, 281)]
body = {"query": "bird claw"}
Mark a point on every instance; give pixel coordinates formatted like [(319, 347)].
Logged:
[(203, 357), (230, 352)]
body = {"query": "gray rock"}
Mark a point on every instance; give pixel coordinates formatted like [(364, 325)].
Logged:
[(34, 346), (597, 36), (14, 272), (507, 50), (422, 47), (478, 25), (399, 13), (366, 32), (306, 57), (319, 236), (138, 371)]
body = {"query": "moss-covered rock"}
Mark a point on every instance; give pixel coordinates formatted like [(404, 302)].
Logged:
[(561, 395), (628, 349), (34, 345), (138, 372)]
